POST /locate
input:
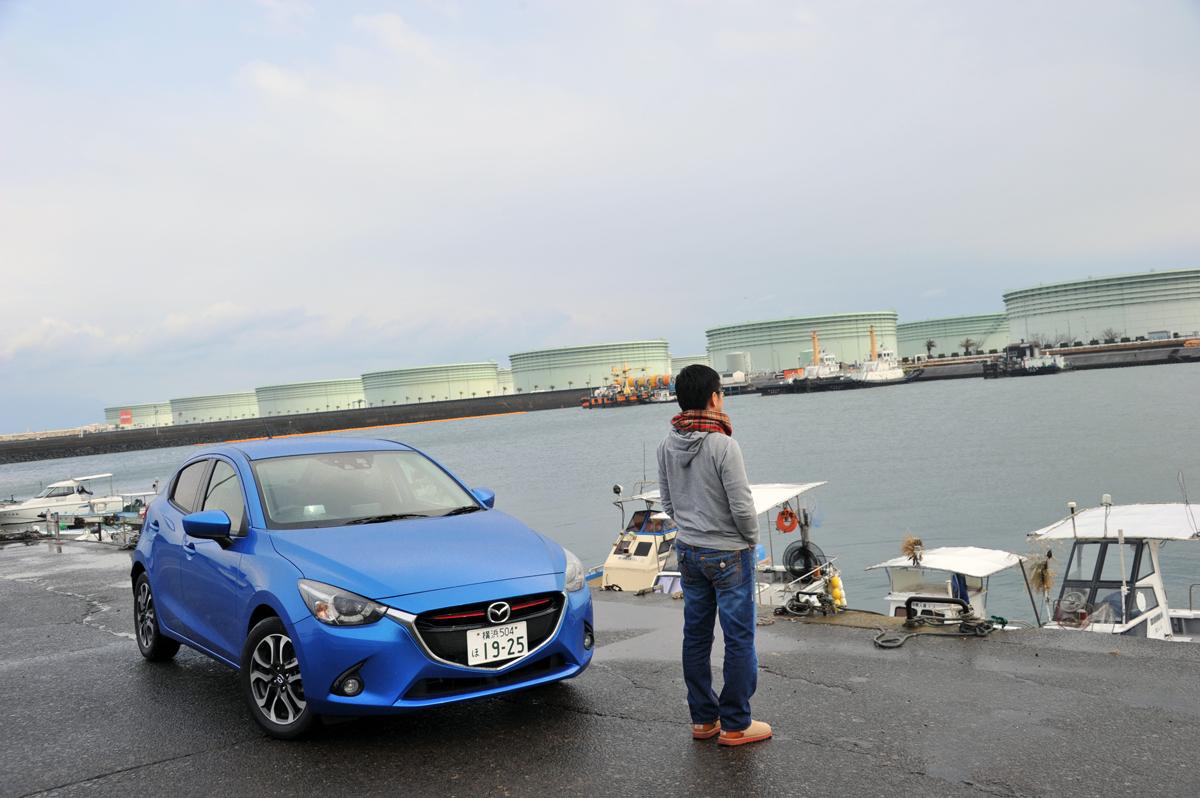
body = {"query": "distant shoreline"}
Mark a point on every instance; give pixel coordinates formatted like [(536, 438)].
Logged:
[(128, 440)]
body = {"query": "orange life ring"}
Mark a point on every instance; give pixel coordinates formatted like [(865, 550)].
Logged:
[(787, 520)]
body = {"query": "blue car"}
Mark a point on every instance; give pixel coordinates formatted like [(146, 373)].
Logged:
[(345, 576)]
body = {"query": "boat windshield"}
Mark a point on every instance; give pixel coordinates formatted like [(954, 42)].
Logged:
[(325, 490), (53, 493)]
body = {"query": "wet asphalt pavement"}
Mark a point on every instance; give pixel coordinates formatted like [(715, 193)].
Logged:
[(1018, 714)]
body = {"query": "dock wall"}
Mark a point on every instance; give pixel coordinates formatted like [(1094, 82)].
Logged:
[(127, 440), (1148, 354)]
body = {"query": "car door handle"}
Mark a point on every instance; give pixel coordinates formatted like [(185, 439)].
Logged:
[(152, 526), (190, 548)]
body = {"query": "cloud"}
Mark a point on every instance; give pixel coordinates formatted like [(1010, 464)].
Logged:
[(378, 189), (287, 14), (273, 80), (398, 36), (48, 335)]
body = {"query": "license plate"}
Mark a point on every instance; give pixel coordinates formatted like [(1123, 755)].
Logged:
[(497, 643)]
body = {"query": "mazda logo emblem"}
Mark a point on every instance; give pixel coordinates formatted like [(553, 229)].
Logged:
[(499, 612)]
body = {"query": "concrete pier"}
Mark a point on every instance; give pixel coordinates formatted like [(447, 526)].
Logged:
[(1016, 714)]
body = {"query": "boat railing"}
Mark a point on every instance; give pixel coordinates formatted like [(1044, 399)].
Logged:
[(803, 578)]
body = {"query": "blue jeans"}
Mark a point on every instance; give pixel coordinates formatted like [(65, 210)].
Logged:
[(718, 583)]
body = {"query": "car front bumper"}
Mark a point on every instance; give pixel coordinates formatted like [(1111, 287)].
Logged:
[(398, 672)]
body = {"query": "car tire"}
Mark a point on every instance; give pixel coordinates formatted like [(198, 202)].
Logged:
[(271, 683), (153, 644)]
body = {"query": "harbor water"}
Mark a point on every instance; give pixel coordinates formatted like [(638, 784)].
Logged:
[(962, 462)]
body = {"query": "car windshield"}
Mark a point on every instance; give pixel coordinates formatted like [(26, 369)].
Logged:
[(321, 490)]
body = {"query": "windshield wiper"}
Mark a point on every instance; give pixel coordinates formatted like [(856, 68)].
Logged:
[(379, 519), (466, 508)]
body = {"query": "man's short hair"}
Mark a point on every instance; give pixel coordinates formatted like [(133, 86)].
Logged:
[(694, 385)]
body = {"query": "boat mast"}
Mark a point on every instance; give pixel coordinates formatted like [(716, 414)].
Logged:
[(816, 342), (874, 343)]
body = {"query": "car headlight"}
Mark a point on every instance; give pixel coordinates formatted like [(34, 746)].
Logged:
[(574, 575), (336, 607)]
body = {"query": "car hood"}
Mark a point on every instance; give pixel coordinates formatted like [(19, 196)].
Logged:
[(399, 558)]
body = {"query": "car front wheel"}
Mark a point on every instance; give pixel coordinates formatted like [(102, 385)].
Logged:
[(271, 683), (151, 642)]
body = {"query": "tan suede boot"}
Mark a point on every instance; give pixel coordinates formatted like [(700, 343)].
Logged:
[(706, 731), (755, 732)]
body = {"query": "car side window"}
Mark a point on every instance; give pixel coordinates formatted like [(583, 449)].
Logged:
[(225, 493), (183, 495)]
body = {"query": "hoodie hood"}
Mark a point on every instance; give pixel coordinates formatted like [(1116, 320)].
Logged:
[(683, 447)]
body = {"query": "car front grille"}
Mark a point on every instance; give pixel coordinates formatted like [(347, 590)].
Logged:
[(444, 688), (444, 631)]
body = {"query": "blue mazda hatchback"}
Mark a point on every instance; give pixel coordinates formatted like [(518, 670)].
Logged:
[(346, 576)]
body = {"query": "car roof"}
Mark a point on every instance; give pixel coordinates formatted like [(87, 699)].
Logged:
[(267, 448)]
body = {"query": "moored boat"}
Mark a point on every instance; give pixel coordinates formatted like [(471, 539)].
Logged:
[(1113, 582), (68, 498), (644, 543)]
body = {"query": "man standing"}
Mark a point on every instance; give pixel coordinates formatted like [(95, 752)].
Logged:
[(704, 487)]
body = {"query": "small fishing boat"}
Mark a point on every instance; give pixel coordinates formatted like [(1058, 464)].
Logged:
[(804, 581), (643, 545), (1113, 582), (947, 583), (68, 498)]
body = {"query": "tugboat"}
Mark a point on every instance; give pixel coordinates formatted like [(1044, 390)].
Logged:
[(1113, 582), (882, 369), (827, 374), (1024, 360)]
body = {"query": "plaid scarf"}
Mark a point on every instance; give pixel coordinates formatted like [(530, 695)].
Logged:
[(703, 421)]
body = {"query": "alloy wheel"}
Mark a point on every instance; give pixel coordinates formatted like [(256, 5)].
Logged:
[(275, 680), (146, 626)]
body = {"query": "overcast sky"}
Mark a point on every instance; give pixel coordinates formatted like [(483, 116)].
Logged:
[(199, 197)]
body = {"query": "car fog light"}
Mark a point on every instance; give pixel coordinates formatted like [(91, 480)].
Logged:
[(588, 639), (352, 686)]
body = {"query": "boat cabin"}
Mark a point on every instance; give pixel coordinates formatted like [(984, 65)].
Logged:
[(954, 572), (1113, 582)]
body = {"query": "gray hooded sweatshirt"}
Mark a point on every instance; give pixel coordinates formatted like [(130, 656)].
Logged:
[(704, 488)]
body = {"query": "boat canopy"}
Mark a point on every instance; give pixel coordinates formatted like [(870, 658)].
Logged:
[(73, 481), (1136, 521), (766, 495), (966, 560)]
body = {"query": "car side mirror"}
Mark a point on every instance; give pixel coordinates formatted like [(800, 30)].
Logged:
[(207, 524), (486, 495)]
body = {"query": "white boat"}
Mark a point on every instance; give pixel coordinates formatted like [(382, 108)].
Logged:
[(948, 583), (69, 498), (805, 581), (1113, 581), (642, 546), (882, 369)]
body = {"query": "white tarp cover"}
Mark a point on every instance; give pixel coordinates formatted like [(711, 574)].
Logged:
[(766, 496), (1151, 521), (967, 560)]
